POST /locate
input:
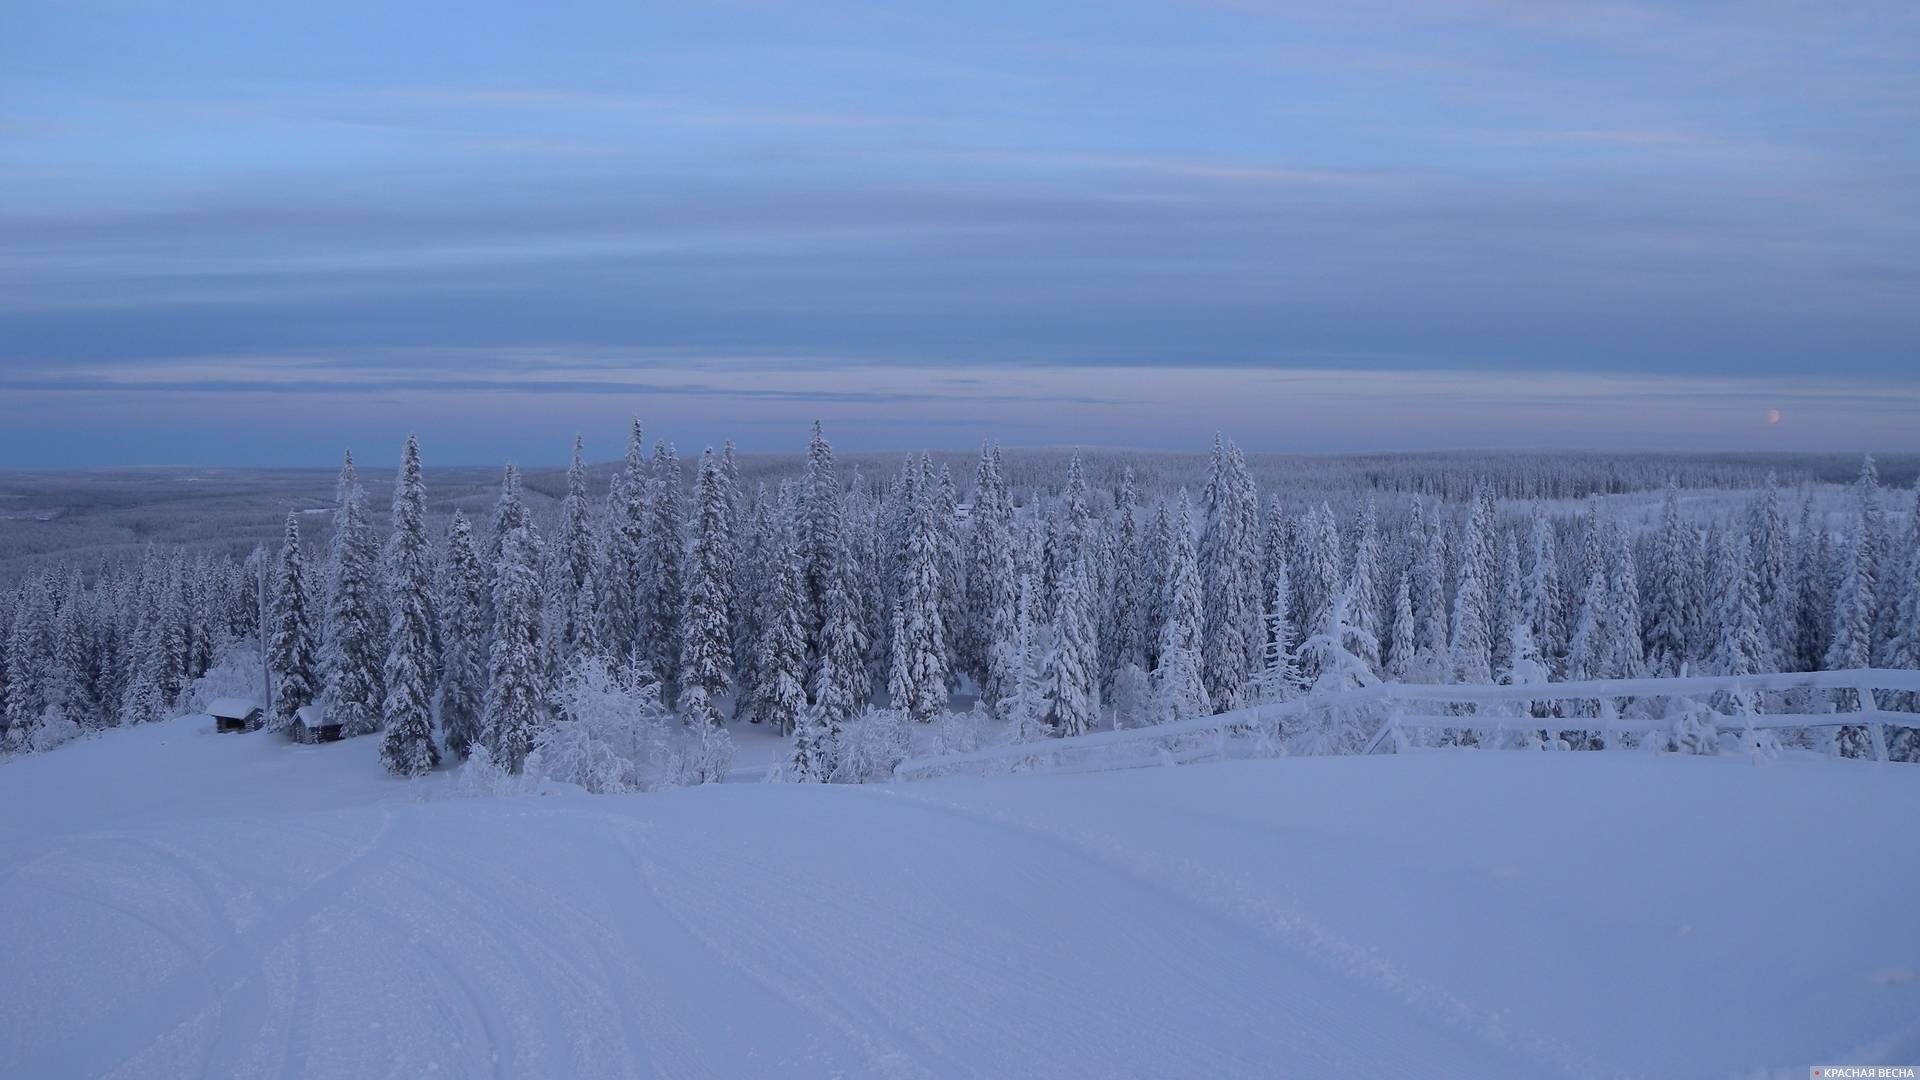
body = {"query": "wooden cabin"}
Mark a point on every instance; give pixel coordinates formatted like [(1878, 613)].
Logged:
[(235, 714), (310, 725)]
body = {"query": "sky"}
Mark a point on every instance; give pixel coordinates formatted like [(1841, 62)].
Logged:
[(254, 233)]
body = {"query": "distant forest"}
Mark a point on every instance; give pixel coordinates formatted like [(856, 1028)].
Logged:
[(1056, 592)]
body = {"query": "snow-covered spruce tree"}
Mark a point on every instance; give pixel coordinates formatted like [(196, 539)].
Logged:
[(197, 610), (840, 683), (1903, 744), (1276, 549), (706, 627), (1316, 575), (1896, 546), (1812, 600), (917, 676), (1588, 651), (953, 564), (1740, 647), (1429, 597), (1545, 602), (1623, 604), (1178, 685), (1156, 556), (810, 757), (407, 747), (820, 530), (757, 544), (991, 583), (1469, 652), (895, 524), (516, 682), (1363, 586), (291, 649), (572, 602), (1122, 629), (353, 648), (1401, 655), (861, 516), (1332, 728), (1525, 667), (30, 660), (782, 662), (1672, 590), (1279, 676), (1073, 693), (463, 640), (1509, 604), (663, 572), (509, 513), (1851, 642), (154, 682), (75, 692), (1025, 704), (1229, 577), (176, 614), (618, 592), (1771, 548)]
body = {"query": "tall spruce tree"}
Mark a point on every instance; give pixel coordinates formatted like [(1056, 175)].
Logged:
[(1072, 678), (840, 684), (292, 652), (624, 557), (516, 676), (664, 571), (783, 640), (1229, 577), (463, 638), (407, 747), (706, 643), (917, 675), (1363, 587), (354, 647), (577, 632), (1179, 687), (1740, 646), (820, 535)]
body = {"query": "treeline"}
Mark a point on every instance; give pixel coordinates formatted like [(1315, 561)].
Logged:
[(654, 611)]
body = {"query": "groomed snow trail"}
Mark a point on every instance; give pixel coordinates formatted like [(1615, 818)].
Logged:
[(183, 904)]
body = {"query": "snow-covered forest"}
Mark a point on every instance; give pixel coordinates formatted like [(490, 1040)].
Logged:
[(613, 639)]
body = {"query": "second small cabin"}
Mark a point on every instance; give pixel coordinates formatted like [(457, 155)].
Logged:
[(234, 714), (310, 725)]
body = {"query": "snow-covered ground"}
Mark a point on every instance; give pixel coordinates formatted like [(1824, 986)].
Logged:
[(177, 903)]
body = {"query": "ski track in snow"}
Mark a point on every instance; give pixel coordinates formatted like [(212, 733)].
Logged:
[(280, 912), (1226, 897)]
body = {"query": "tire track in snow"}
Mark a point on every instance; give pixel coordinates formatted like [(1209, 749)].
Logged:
[(1232, 899), (495, 1029), (883, 1056), (953, 994), (202, 983)]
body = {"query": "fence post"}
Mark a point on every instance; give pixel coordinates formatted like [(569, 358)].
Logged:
[(1868, 701), (1387, 727)]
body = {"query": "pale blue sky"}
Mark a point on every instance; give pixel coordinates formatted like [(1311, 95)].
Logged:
[(252, 232)]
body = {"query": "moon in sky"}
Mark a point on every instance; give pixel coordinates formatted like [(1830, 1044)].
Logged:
[(1773, 416)]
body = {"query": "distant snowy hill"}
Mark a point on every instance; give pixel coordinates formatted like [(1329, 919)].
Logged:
[(178, 903)]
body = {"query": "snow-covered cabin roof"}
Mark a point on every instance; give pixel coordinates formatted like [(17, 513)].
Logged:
[(232, 708), (311, 715)]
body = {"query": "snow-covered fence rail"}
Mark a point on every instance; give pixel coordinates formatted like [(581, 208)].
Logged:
[(1409, 707), (1477, 707)]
